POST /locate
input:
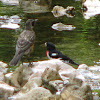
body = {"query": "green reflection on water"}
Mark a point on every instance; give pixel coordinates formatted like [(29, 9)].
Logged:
[(80, 44)]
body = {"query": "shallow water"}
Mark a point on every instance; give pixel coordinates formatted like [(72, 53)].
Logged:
[(80, 44)]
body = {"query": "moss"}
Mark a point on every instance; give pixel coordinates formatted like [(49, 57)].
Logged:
[(98, 91), (48, 86)]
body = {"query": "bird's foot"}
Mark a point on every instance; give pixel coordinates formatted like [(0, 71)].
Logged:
[(30, 64)]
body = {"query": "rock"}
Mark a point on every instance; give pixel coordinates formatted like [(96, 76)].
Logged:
[(50, 74), (66, 94), (95, 95), (34, 94), (83, 66), (49, 86), (68, 75), (5, 90), (58, 84), (20, 76), (61, 27), (35, 6), (91, 8), (49, 80), (8, 77), (32, 83), (11, 22), (3, 70), (10, 26), (61, 11), (54, 64), (96, 98), (58, 11), (94, 69), (10, 2), (53, 97), (3, 65), (91, 75), (75, 92)]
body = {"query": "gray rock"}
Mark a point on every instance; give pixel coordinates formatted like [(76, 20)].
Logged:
[(32, 83), (58, 78), (50, 74), (34, 94), (3, 70), (10, 2), (5, 90), (75, 92), (35, 6)]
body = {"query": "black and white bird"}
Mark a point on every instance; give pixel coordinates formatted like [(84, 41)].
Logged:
[(53, 53)]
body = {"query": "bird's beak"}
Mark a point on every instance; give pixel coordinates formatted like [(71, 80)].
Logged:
[(52, 11), (46, 44), (36, 20)]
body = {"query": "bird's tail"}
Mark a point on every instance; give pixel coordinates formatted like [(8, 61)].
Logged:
[(16, 59), (74, 63), (71, 62)]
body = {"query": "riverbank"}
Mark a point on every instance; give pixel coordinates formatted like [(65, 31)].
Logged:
[(49, 79)]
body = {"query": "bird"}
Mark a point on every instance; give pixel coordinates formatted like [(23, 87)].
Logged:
[(53, 53), (25, 42)]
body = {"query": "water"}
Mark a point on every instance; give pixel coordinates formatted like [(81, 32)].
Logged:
[(80, 44)]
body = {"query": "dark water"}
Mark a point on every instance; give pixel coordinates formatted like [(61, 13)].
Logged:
[(80, 44)]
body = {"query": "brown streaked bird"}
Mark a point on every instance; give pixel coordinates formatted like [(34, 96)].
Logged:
[(25, 42)]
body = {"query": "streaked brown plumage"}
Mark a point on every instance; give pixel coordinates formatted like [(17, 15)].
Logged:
[(25, 42)]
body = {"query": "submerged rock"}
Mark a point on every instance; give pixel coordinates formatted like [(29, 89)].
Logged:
[(61, 11), (61, 27), (10, 22), (10, 26), (10, 2), (35, 6), (91, 8)]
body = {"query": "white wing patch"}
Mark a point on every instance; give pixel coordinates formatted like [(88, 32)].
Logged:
[(54, 54)]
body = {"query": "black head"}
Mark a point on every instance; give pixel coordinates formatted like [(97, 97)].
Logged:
[(30, 24), (50, 46)]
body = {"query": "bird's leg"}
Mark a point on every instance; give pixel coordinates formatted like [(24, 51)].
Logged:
[(22, 60), (30, 64)]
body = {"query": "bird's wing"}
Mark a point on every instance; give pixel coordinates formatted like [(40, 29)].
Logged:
[(24, 43), (59, 55), (22, 46), (55, 54)]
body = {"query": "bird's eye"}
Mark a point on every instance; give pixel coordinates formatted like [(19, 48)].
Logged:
[(35, 1)]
